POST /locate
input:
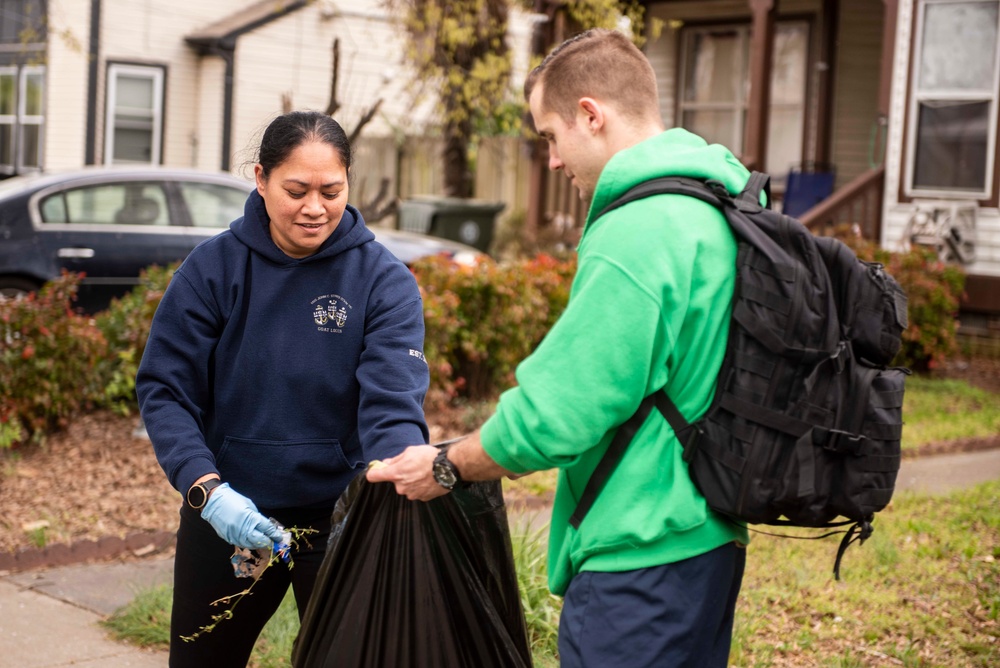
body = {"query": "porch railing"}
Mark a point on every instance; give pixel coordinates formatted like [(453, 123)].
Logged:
[(859, 203)]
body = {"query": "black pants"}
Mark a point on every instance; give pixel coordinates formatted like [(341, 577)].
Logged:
[(203, 574)]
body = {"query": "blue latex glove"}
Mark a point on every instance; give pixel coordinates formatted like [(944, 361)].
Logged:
[(236, 519)]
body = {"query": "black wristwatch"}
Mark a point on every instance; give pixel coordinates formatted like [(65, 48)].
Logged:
[(445, 472), (197, 496)]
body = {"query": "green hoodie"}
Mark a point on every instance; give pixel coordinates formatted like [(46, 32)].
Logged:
[(649, 308)]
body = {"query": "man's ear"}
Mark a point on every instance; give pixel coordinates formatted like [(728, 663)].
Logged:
[(592, 113)]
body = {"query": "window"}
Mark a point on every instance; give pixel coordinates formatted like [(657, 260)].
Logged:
[(953, 107), (134, 115), (22, 116), (116, 204), (24, 23), (213, 205), (715, 82)]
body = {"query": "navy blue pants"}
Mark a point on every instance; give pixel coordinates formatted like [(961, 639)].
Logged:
[(671, 616), (203, 574)]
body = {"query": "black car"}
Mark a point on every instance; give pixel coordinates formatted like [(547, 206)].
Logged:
[(110, 223)]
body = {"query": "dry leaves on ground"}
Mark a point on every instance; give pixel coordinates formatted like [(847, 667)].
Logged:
[(97, 478)]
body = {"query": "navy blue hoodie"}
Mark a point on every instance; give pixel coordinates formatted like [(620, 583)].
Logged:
[(284, 376)]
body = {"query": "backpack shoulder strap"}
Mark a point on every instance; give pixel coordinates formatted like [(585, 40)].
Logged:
[(757, 183), (669, 185), (714, 193)]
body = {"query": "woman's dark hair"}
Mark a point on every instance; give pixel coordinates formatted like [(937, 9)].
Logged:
[(289, 131)]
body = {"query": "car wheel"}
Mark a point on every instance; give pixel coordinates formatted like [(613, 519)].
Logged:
[(14, 287)]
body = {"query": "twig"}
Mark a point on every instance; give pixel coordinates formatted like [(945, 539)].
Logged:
[(237, 597)]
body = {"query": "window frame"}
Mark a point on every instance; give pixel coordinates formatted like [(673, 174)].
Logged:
[(10, 120), (24, 119), (740, 105), (916, 97), (158, 75), (20, 118)]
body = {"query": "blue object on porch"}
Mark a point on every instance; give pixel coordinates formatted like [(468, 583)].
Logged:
[(806, 188)]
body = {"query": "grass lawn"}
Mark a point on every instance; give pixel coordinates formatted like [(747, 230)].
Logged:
[(945, 410), (923, 591)]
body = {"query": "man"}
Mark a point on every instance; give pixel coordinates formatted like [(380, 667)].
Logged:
[(651, 576)]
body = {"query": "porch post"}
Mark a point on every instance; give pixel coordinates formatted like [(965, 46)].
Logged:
[(761, 50), (542, 39)]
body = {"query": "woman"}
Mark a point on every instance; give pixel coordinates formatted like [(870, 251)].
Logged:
[(285, 354)]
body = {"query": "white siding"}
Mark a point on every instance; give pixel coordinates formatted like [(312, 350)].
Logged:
[(293, 56), (66, 84), (209, 113), (153, 33)]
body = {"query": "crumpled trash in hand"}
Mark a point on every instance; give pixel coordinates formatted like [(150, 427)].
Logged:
[(251, 563)]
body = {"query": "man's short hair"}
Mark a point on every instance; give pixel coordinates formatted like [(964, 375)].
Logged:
[(598, 63)]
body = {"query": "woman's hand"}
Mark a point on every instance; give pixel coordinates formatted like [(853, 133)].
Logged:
[(412, 472)]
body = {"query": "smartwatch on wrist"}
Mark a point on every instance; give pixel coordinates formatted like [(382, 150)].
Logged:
[(197, 496), (445, 471)]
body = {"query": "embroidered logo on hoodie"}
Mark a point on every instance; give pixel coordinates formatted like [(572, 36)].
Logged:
[(330, 313)]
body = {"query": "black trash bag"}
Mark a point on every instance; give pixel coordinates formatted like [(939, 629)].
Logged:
[(408, 584)]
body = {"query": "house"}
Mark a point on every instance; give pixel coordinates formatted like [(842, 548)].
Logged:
[(871, 112), (184, 83), (878, 113), (942, 177)]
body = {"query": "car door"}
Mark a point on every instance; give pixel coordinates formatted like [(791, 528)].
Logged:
[(109, 231), (210, 207)]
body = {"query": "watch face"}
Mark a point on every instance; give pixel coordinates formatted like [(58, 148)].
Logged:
[(444, 473), (196, 496)]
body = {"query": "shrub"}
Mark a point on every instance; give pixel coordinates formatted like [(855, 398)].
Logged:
[(481, 321), (933, 291), (125, 325), (48, 357)]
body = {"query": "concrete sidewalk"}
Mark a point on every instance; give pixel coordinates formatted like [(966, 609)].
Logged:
[(49, 618)]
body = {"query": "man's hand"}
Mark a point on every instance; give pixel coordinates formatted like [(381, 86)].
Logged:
[(412, 472)]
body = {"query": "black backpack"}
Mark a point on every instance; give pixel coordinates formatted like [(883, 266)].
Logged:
[(805, 422)]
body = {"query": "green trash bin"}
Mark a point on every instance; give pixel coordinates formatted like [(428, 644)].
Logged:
[(466, 220)]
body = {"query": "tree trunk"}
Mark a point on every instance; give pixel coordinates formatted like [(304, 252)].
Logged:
[(455, 156)]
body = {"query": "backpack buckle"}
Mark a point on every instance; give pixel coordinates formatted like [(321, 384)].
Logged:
[(844, 442)]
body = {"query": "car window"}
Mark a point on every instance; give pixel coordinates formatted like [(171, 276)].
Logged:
[(115, 204), (213, 205)]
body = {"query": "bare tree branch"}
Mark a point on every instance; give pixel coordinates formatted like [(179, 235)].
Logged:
[(378, 208), (365, 120), (334, 105)]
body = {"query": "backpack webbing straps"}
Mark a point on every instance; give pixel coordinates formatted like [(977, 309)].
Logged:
[(863, 530), (610, 460)]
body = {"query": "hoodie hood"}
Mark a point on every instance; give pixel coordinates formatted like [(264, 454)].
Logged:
[(675, 152), (253, 230)]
